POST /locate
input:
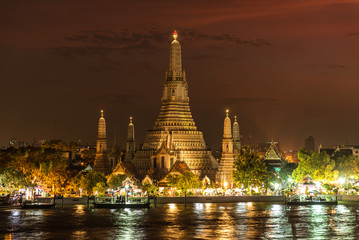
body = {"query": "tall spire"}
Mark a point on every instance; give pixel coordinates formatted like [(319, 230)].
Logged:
[(101, 162), (227, 131), (101, 135), (176, 127), (224, 174), (115, 155), (130, 143), (236, 135), (175, 112), (227, 143), (175, 66)]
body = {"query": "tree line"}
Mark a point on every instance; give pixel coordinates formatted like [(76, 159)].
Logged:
[(249, 171)]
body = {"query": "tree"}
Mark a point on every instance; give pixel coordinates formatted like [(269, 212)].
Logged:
[(150, 189), (249, 170), (14, 179), (27, 167), (89, 179), (100, 188), (318, 166), (184, 182), (286, 170), (347, 165), (88, 157), (52, 170), (303, 154), (56, 144), (115, 180)]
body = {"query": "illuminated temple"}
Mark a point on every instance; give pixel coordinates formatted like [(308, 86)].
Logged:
[(101, 161), (174, 145), (175, 136), (224, 174)]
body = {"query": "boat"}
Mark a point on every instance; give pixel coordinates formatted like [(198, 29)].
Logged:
[(306, 203), (38, 205), (121, 205), (310, 201), (5, 200)]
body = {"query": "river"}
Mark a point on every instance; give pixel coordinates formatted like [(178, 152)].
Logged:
[(173, 221)]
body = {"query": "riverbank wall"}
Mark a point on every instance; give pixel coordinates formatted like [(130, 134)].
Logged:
[(348, 198), (67, 200), (220, 199), (190, 199), (201, 199)]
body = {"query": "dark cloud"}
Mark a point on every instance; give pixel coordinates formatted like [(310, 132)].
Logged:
[(248, 100), (335, 66), (121, 98), (99, 43), (82, 51), (151, 37), (353, 34), (197, 35), (121, 39)]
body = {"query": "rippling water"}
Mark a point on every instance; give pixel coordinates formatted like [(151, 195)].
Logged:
[(173, 221)]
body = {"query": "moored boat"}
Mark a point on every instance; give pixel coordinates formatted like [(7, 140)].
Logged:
[(38, 205), (5, 200), (305, 203), (296, 201)]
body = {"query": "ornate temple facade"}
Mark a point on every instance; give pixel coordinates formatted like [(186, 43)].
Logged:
[(175, 136), (273, 157), (224, 174)]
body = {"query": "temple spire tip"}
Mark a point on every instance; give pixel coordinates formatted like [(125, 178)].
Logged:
[(175, 35)]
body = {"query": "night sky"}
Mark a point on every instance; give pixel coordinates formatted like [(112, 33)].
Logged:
[(287, 69)]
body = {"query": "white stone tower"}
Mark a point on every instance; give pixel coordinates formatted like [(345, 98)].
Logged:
[(101, 145), (175, 136), (130, 143), (236, 136), (224, 175), (101, 161)]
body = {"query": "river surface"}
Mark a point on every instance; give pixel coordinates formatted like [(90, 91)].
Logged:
[(173, 221)]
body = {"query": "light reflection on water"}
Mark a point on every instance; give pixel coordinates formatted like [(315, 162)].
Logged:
[(173, 221)]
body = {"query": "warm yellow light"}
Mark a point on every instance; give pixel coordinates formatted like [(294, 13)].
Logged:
[(225, 184), (175, 35)]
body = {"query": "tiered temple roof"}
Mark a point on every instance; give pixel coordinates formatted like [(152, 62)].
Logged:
[(175, 126)]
